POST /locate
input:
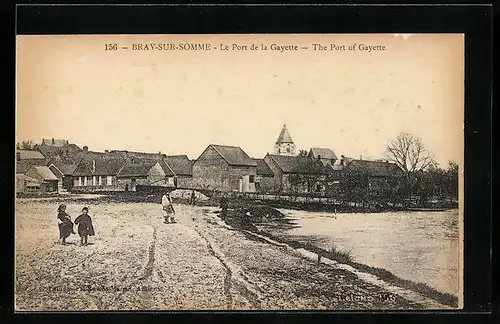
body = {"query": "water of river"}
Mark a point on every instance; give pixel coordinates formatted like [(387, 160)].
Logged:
[(418, 246)]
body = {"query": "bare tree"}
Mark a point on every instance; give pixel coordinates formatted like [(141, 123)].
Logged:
[(409, 153)]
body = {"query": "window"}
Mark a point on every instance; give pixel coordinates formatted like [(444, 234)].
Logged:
[(94, 180), (79, 181), (109, 180), (251, 178), (100, 180), (84, 181)]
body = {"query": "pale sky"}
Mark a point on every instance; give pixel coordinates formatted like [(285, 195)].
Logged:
[(178, 102)]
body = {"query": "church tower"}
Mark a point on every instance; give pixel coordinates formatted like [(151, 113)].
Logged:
[(284, 144)]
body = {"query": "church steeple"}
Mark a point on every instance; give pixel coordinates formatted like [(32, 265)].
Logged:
[(284, 144)]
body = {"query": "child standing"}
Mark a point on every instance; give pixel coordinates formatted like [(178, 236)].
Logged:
[(85, 227), (65, 224)]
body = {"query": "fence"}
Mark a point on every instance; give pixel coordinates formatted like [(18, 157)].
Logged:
[(280, 197)]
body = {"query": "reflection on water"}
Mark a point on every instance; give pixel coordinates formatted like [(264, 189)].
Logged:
[(418, 246)]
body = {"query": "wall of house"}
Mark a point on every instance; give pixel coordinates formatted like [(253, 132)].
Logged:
[(265, 184), (67, 182), (156, 174), (20, 185), (49, 186), (211, 171), (93, 184), (278, 174), (185, 182)]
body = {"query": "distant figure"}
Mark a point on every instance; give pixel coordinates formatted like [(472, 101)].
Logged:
[(85, 227), (65, 224), (168, 208), (224, 204), (193, 198)]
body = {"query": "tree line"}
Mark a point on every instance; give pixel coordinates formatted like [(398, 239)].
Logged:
[(418, 181)]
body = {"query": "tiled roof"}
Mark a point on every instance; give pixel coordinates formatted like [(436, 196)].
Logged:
[(103, 166), (179, 164), (375, 168), (136, 155), (234, 155), (65, 168), (298, 164), (325, 153), (136, 169), (52, 151), (262, 168), (24, 165), (45, 173), (284, 136), (168, 171), (30, 154)]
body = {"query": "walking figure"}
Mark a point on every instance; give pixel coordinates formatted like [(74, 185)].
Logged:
[(168, 208), (65, 224), (85, 227), (193, 198), (224, 204)]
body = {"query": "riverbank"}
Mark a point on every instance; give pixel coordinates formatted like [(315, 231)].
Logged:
[(137, 262), (246, 218), (239, 201)]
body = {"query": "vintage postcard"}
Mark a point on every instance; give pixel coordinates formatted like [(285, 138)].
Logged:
[(238, 172)]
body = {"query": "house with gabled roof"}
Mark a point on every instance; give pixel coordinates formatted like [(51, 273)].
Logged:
[(26, 184), (151, 173), (264, 181), (325, 155), (45, 182), (298, 174), (381, 176), (225, 168), (97, 174), (182, 168), (64, 172)]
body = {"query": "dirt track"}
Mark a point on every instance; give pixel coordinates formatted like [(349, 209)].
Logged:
[(137, 262)]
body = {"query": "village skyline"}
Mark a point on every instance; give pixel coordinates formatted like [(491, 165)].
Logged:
[(103, 149), (180, 102)]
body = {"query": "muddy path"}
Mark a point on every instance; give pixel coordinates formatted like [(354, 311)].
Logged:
[(135, 262)]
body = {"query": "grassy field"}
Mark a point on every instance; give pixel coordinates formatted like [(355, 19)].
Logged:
[(135, 262)]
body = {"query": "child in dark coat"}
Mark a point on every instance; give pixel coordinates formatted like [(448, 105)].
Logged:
[(85, 227)]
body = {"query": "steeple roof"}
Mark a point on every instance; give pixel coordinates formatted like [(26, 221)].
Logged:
[(284, 136)]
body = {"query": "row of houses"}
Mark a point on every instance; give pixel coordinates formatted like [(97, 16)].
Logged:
[(58, 166)]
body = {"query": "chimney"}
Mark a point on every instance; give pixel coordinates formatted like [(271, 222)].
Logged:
[(342, 160), (106, 151), (85, 148), (18, 156), (53, 142), (319, 157), (93, 166)]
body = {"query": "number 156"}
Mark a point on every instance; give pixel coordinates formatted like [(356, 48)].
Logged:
[(111, 47)]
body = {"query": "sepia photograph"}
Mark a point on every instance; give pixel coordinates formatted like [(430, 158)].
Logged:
[(239, 172)]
